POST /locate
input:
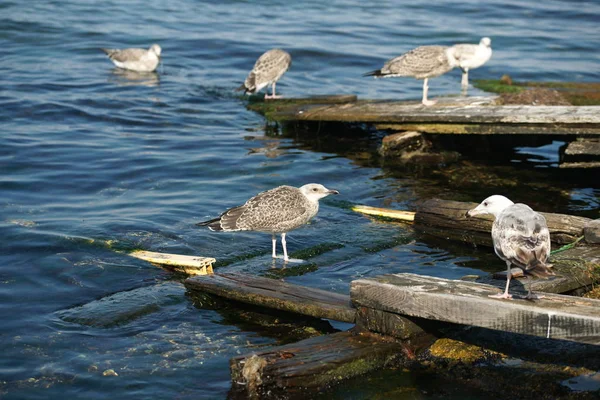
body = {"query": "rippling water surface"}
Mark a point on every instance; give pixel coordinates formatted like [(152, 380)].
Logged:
[(94, 160)]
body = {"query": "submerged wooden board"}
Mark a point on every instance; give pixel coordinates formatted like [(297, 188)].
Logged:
[(276, 294), (555, 316), (311, 364), (191, 265)]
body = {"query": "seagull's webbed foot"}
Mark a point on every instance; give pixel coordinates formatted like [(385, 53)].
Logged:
[(272, 97), (428, 103), (504, 295)]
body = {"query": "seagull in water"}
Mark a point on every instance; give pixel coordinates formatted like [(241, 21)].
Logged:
[(276, 211), (269, 68), (520, 237), (423, 62), (471, 56), (140, 60)]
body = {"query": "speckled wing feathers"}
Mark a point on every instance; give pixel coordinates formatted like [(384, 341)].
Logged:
[(422, 62), (277, 210), (521, 237), (125, 55), (268, 69)]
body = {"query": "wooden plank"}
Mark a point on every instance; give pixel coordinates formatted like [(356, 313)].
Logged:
[(408, 216), (584, 146), (555, 316), (191, 265), (447, 219), (276, 294), (315, 363)]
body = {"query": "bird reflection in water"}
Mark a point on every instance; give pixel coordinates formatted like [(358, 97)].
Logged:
[(124, 77)]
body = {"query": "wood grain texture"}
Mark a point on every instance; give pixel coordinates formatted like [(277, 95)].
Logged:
[(309, 364), (276, 294), (555, 316), (447, 218)]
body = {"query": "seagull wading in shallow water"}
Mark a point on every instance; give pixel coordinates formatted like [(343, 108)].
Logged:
[(276, 211), (424, 62), (269, 68), (520, 237), (140, 60), (471, 56)]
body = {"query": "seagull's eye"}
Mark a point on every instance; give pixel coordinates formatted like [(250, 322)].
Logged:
[(485, 203), (315, 189)]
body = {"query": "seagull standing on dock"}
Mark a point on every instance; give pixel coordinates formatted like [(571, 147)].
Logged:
[(520, 237), (424, 62), (140, 60), (269, 68), (471, 56), (276, 211)]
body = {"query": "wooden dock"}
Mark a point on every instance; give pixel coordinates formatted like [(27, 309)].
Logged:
[(471, 115)]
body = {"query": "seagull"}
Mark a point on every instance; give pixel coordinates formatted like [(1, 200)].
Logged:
[(269, 68), (423, 62), (521, 238), (139, 60), (471, 56), (276, 211)]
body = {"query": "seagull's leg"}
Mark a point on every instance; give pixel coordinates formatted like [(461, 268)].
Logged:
[(530, 294), (273, 95), (504, 295), (425, 90), (274, 239), (464, 83), (283, 242)]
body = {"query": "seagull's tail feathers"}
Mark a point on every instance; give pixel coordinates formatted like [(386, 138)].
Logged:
[(212, 224), (376, 73), (539, 268)]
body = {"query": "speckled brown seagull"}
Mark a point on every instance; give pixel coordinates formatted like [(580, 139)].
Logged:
[(269, 68), (140, 60), (521, 238), (423, 62), (276, 211)]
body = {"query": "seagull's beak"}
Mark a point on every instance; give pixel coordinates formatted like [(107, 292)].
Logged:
[(333, 192), (473, 212)]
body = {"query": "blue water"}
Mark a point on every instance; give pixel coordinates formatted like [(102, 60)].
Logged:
[(95, 160)]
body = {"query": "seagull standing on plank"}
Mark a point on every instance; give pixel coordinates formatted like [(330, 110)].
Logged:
[(269, 68), (521, 238), (423, 62), (471, 56), (276, 211)]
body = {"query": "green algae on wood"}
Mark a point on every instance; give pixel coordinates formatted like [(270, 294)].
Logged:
[(577, 93)]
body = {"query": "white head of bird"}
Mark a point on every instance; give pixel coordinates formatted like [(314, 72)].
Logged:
[(315, 191), (156, 49), (485, 42), (492, 205)]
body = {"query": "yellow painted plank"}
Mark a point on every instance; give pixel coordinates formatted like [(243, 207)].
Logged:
[(192, 265), (386, 212)]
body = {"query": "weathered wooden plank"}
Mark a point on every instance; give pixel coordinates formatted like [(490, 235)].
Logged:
[(447, 219), (497, 128), (311, 364), (276, 294), (191, 265), (583, 146), (555, 316)]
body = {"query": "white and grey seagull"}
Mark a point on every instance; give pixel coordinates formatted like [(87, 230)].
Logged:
[(471, 56), (140, 60), (521, 238), (423, 62), (269, 68), (276, 211)]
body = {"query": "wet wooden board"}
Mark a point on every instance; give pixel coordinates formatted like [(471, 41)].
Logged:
[(452, 116), (310, 364), (191, 265), (408, 216), (554, 317), (276, 294), (448, 219)]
